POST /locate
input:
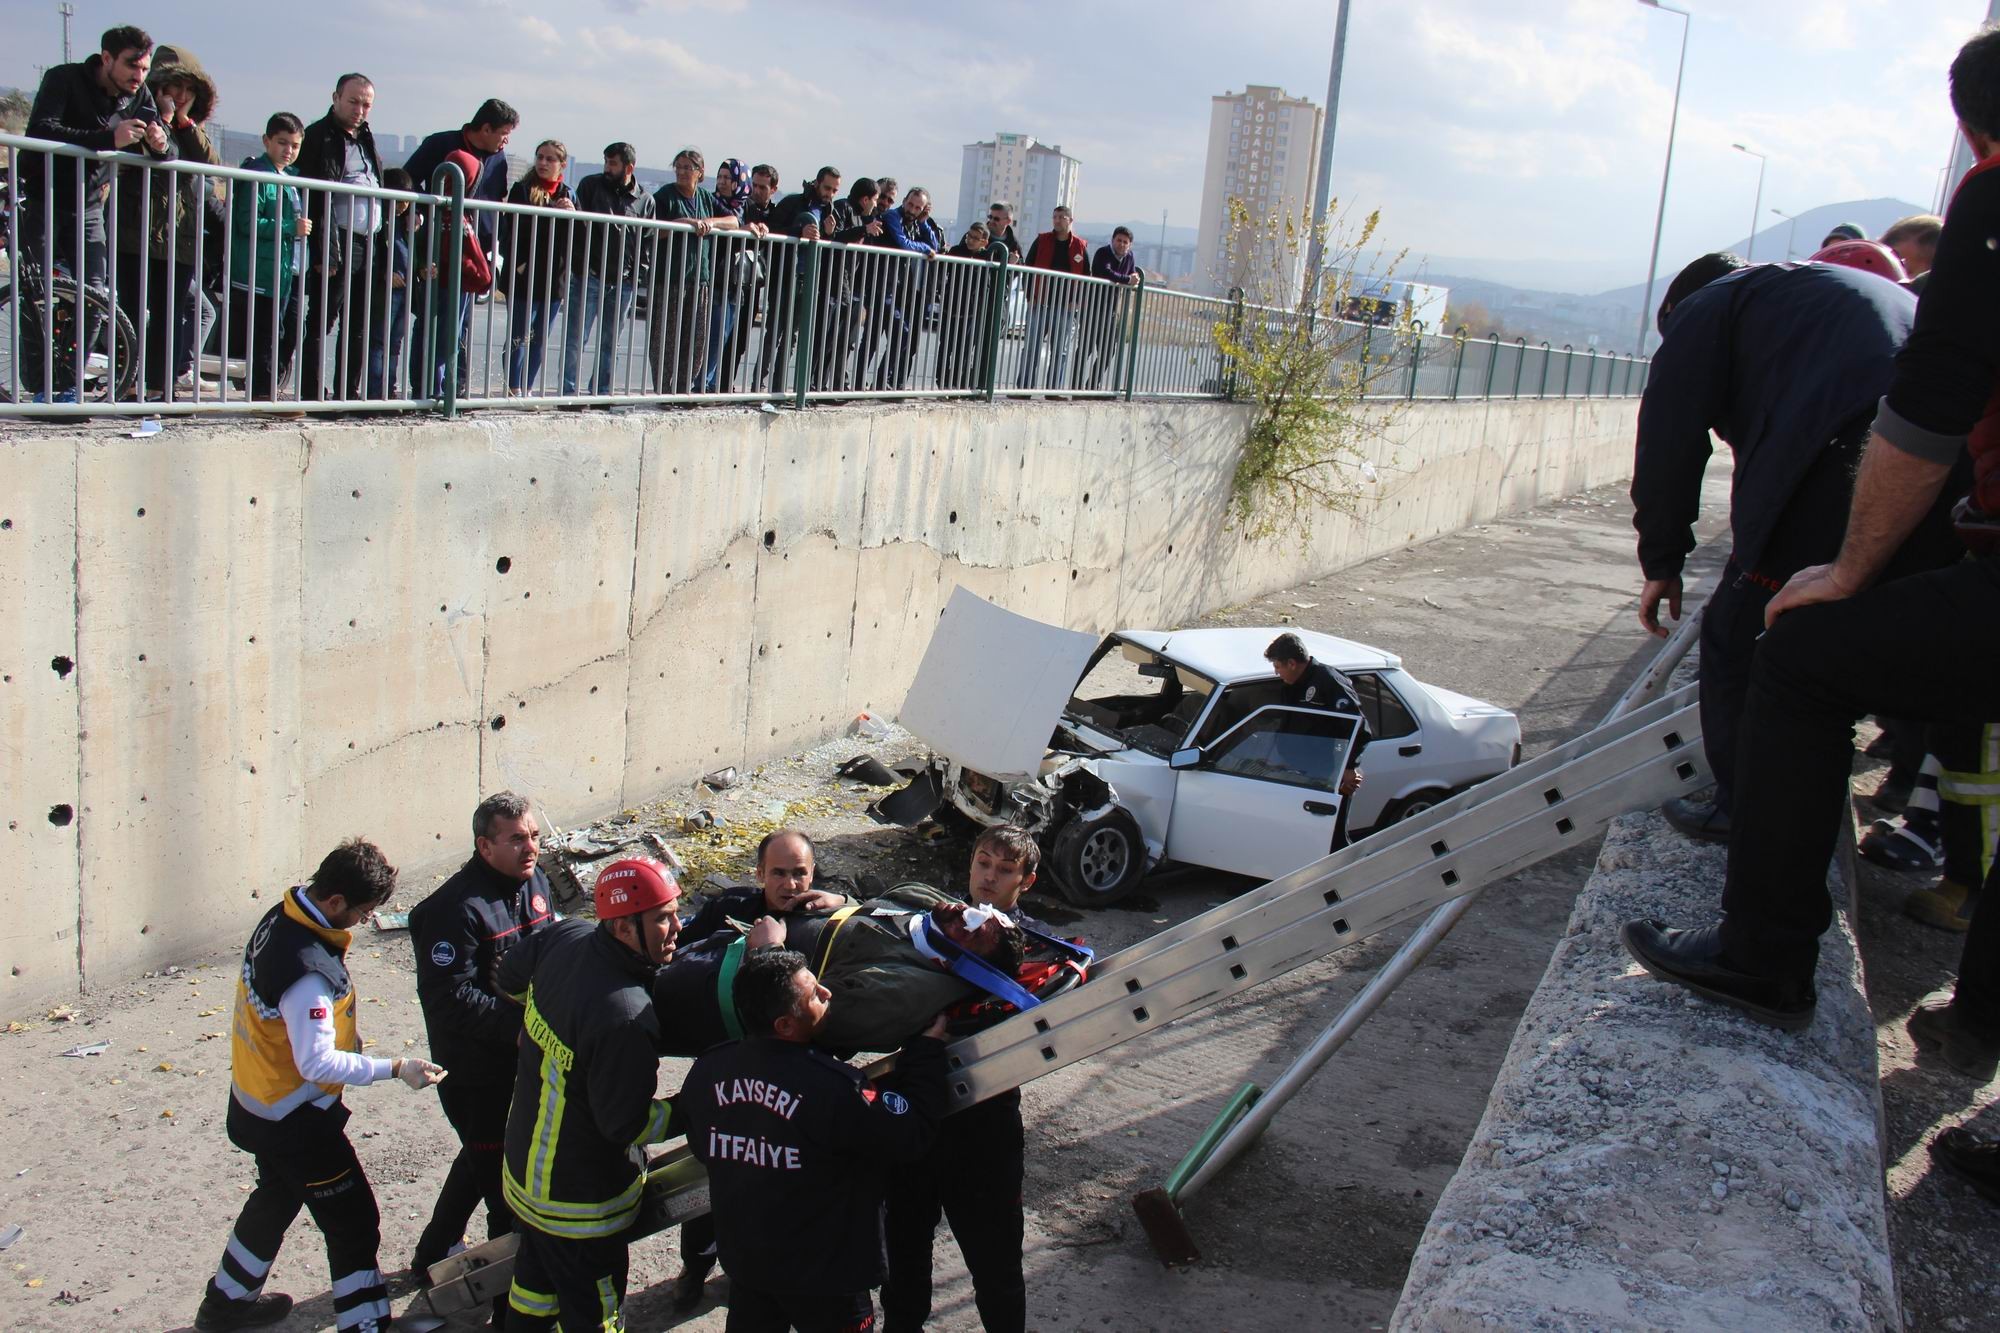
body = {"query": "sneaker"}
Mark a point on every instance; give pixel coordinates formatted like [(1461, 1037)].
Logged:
[(1935, 1027), (216, 1314), (1947, 905), (1898, 847), (1973, 1159), (1698, 819), (1695, 959)]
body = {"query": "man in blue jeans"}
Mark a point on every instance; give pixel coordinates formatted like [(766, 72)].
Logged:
[(605, 256)]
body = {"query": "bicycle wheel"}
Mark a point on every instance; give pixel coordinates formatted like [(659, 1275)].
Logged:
[(109, 367)]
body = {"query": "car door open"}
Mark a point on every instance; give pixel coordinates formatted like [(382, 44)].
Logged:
[(1261, 799)]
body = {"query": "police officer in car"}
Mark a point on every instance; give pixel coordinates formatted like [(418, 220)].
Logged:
[(498, 898), (798, 1145), (1311, 684)]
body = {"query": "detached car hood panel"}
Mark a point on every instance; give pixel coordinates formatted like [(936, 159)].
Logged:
[(992, 686)]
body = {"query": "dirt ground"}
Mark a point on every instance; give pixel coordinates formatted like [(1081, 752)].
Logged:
[(124, 1185)]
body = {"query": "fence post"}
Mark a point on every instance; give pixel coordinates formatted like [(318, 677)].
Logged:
[(1416, 360), (809, 307), (1458, 365), (452, 268), (1236, 333), (1547, 356), (1589, 371), (996, 325), (1492, 362), (1569, 362), (1132, 344), (1520, 363)]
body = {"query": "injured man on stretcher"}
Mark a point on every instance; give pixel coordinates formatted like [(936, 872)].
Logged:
[(893, 962)]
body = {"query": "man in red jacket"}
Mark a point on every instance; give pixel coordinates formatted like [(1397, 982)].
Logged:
[(1839, 645), (1052, 305)]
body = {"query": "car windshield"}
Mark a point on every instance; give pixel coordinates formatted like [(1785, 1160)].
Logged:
[(1138, 697)]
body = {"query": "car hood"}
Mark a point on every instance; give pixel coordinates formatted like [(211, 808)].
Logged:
[(992, 686)]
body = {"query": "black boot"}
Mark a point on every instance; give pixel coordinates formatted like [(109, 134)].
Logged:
[(1695, 959), (1706, 820), (692, 1283), (216, 1314), (1936, 1026), (1973, 1159)]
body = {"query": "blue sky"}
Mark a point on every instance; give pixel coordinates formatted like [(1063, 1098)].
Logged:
[(1523, 131)]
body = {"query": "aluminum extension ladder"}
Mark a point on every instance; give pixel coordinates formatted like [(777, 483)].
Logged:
[(1555, 801)]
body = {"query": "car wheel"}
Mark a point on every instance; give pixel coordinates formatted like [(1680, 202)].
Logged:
[(1098, 858), (1414, 804)]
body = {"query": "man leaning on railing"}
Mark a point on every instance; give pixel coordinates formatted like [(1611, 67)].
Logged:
[(347, 229), (102, 104), (604, 254)]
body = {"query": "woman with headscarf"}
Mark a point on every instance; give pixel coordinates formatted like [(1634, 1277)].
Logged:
[(535, 263)]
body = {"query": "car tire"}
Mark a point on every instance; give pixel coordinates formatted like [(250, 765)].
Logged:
[(1098, 858), (1414, 804)]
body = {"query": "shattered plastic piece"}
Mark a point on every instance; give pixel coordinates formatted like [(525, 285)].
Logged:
[(93, 1048), (1304, 606), (722, 779), (62, 1013), (665, 853), (867, 768), (9, 1234), (698, 822), (148, 426), (1432, 602), (387, 921), (867, 727)]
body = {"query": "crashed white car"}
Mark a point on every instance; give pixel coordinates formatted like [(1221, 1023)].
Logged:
[(1153, 746)]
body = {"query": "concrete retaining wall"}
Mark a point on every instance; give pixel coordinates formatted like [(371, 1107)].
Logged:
[(1648, 1160), (229, 646)]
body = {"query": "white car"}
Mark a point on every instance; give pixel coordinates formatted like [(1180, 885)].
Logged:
[(1172, 745)]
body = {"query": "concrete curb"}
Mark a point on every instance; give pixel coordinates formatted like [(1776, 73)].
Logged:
[(1648, 1160)]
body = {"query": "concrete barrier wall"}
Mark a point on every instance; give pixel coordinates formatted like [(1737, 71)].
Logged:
[(230, 646)]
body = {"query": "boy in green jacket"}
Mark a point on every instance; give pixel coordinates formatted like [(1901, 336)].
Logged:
[(266, 254)]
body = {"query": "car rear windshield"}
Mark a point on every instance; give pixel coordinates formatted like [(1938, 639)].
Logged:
[(1138, 697)]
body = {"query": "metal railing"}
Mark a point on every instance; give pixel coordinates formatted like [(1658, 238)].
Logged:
[(215, 290)]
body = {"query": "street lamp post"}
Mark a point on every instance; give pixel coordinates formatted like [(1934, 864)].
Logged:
[(1322, 191), (1666, 171), (1791, 232), (1757, 206)]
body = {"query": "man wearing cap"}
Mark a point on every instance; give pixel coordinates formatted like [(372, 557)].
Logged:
[(498, 899), (583, 1097), (797, 1144), (293, 1047)]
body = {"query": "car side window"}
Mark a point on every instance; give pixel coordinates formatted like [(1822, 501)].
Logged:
[(1297, 746), (1388, 716), (1237, 703)]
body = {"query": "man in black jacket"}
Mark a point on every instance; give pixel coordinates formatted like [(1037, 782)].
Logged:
[(583, 1098), (485, 137), (1307, 683), (497, 901), (348, 240), (604, 269), (101, 103), (1785, 363), (797, 1145)]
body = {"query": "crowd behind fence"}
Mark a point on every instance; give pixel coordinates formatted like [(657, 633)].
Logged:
[(206, 290)]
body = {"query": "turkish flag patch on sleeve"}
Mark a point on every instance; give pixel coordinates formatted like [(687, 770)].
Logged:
[(318, 1015)]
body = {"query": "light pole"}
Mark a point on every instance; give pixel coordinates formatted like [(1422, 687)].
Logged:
[(1322, 192), (1757, 206), (1791, 232), (1660, 219)]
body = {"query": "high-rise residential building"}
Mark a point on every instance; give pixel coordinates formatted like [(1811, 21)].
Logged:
[(1034, 177), (1263, 148)]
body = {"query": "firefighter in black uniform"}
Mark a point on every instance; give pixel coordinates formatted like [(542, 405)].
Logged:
[(1313, 684), (973, 1173), (292, 1048), (583, 1099), (797, 1145), (460, 933)]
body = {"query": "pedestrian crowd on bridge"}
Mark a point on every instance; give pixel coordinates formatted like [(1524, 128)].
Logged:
[(341, 280), (1859, 393)]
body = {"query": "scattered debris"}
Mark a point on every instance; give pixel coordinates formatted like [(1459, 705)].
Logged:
[(1432, 602), (868, 727), (867, 768), (387, 921), (148, 426), (62, 1013), (164, 1067), (1304, 606), (700, 821), (9, 1234), (722, 779), (92, 1048)]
